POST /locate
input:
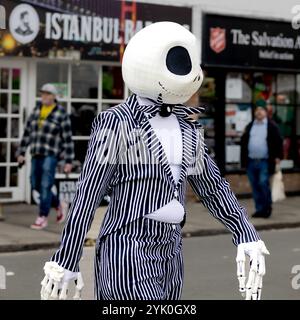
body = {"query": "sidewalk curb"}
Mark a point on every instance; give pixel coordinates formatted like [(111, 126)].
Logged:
[(28, 246), (262, 227), (186, 234)]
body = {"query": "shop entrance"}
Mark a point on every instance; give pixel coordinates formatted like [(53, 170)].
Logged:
[(12, 101)]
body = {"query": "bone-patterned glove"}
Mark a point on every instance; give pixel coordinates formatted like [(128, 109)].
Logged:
[(56, 282), (256, 252)]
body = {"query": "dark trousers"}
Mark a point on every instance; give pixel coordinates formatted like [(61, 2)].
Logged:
[(42, 179), (258, 174)]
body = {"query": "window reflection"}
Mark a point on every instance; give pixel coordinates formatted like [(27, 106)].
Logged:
[(55, 73), (112, 83), (82, 116), (85, 81), (285, 88), (264, 87), (238, 87)]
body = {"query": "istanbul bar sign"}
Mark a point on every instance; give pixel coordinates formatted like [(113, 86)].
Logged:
[(97, 30), (232, 41)]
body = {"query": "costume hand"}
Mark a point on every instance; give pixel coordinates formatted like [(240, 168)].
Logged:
[(56, 282), (255, 251)]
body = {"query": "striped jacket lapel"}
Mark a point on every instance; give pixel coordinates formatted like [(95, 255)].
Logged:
[(189, 142), (145, 130), (154, 145)]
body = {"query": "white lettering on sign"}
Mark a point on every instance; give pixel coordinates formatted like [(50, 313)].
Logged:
[(67, 190), (89, 29), (2, 17), (239, 37), (264, 40)]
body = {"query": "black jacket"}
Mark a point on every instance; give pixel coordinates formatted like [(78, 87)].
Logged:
[(274, 141)]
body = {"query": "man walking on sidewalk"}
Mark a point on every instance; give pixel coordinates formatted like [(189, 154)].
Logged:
[(48, 132), (261, 150)]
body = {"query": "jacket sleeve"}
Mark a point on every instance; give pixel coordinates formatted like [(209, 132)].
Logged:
[(68, 144), (25, 141), (215, 194), (98, 169), (278, 141)]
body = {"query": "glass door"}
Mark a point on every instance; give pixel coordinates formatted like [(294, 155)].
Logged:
[(12, 98)]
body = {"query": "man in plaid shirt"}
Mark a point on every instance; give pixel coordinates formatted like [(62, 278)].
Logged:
[(48, 132)]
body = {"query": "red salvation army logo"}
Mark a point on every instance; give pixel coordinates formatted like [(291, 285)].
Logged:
[(217, 40)]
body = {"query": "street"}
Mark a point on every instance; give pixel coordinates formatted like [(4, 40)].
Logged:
[(210, 270)]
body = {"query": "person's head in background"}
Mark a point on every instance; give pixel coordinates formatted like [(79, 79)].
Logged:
[(261, 110), (48, 94)]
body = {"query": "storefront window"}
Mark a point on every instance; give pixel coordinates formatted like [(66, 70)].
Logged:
[(3, 103), (298, 88), (55, 73), (3, 151), (14, 127), (208, 88), (13, 150), (264, 87), (2, 176), (279, 91), (85, 79), (80, 153), (4, 74), (208, 122), (285, 89), (238, 87), (83, 102), (16, 74), (15, 103), (112, 83), (237, 118), (3, 128), (13, 181), (82, 116)]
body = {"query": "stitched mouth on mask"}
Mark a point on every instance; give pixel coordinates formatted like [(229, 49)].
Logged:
[(170, 92)]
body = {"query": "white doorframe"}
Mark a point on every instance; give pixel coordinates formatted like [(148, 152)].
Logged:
[(17, 192)]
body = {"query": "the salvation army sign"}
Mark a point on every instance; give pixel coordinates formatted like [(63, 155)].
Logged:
[(90, 30), (233, 41), (217, 39)]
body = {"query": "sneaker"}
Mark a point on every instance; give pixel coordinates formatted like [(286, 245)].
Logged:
[(40, 223), (61, 213)]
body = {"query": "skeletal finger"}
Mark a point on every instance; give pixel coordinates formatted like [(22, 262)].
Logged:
[(261, 273), (252, 276), (255, 287), (43, 284), (262, 266), (64, 291), (46, 290), (54, 293), (241, 274), (79, 286), (259, 288)]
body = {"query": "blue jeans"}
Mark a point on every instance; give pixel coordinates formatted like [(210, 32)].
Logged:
[(258, 174), (42, 179)]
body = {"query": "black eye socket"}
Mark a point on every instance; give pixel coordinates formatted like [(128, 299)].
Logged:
[(179, 61)]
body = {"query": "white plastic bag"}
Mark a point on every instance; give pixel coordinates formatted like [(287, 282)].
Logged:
[(277, 186)]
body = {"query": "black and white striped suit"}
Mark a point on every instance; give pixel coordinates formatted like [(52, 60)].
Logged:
[(139, 180)]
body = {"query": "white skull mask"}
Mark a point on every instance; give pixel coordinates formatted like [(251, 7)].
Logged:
[(162, 62)]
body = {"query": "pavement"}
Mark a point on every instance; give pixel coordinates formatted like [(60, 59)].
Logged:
[(209, 269), (15, 234)]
